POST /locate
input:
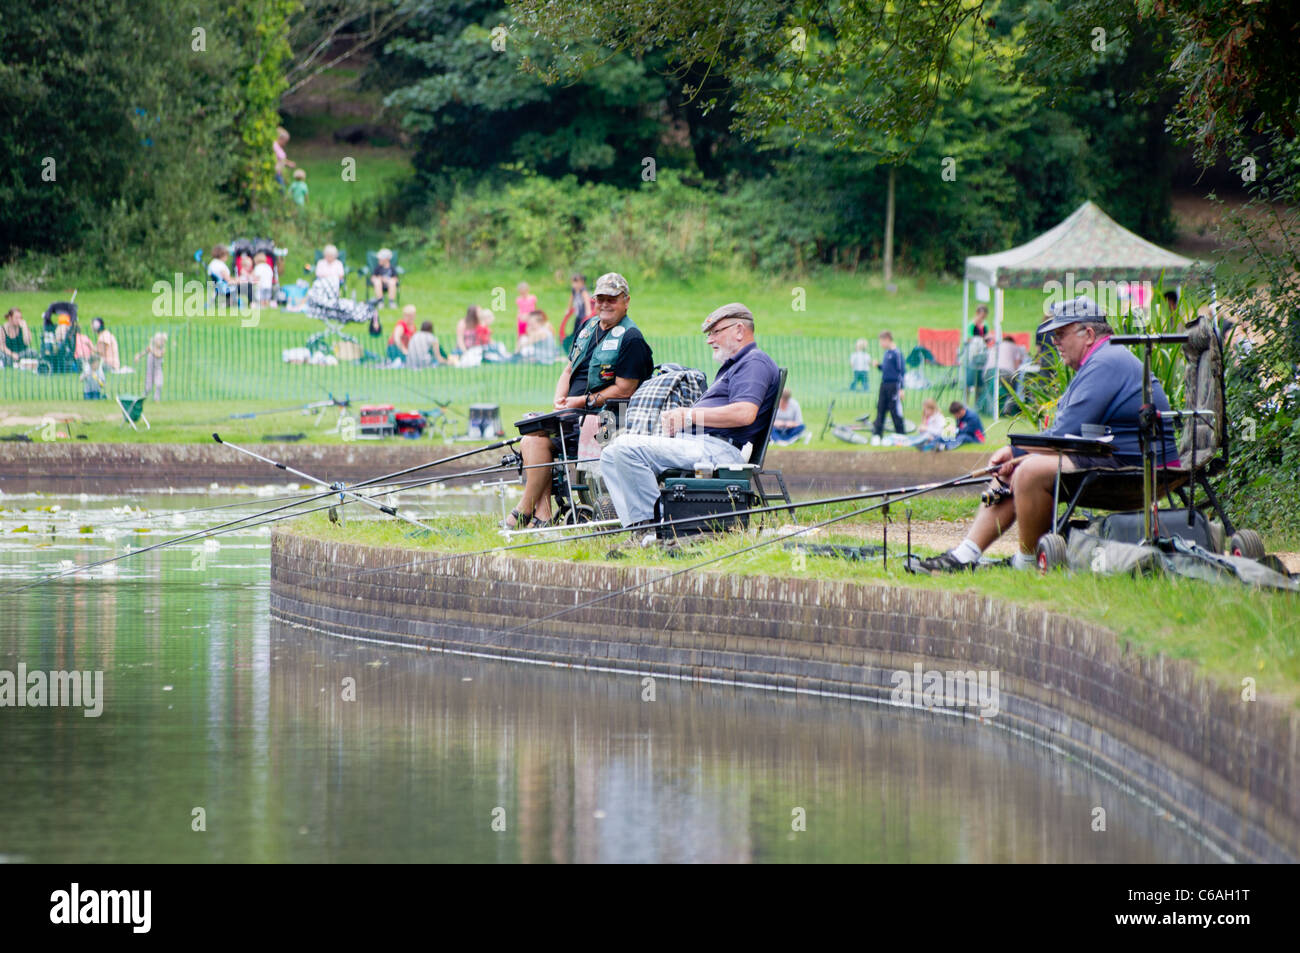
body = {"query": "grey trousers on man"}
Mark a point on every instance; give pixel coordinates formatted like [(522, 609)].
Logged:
[(631, 466)]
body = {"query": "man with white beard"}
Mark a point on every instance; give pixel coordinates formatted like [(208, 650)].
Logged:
[(734, 412)]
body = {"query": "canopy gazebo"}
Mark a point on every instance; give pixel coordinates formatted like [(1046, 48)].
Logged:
[(1089, 246)]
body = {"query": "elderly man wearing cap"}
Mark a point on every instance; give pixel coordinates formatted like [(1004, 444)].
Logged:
[(1106, 390), (734, 412), (609, 360)]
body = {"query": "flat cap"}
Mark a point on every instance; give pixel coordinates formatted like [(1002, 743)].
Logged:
[(733, 310)]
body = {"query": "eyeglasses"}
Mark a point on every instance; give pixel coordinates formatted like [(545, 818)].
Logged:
[(1059, 336), (720, 327)]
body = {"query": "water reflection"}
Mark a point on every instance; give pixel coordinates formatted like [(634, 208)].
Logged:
[(587, 771), (208, 704)]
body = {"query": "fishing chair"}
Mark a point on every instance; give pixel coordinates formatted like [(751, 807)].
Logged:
[(685, 493), (317, 255), (1202, 454), (368, 269)]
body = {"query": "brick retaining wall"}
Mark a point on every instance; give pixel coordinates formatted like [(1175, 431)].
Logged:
[(1229, 767), (75, 467)]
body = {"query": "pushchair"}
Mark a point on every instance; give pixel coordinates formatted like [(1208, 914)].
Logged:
[(274, 256), (323, 303), (58, 341)]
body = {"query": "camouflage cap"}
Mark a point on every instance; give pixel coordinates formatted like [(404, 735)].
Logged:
[(611, 283), (733, 310)]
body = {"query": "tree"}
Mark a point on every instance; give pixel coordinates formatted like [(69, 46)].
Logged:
[(262, 30), (117, 129), (470, 105)]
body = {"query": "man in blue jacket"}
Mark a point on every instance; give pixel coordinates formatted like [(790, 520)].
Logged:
[(1106, 390), (891, 387)]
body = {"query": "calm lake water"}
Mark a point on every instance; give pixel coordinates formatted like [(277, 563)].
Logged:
[(209, 705)]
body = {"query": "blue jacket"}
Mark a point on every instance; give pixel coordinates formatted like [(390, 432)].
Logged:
[(1107, 390), (891, 367), (971, 425)]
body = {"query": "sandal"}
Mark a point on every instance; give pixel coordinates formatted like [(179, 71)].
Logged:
[(536, 523), (521, 521)]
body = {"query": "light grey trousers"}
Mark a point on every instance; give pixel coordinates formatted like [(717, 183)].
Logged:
[(631, 465)]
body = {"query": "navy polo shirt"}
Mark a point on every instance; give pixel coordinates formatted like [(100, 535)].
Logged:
[(752, 377)]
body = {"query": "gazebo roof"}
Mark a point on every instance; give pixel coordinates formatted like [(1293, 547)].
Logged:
[(1090, 245)]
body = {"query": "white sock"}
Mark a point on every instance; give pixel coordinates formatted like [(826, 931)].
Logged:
[(967, 551), (1023, 561)]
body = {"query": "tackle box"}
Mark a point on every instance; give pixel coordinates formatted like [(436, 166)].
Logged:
[(684, 497)]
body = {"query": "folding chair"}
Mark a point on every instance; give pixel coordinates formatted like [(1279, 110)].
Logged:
[(132, 410)]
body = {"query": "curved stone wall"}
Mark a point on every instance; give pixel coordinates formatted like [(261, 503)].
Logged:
[(1226, 766)]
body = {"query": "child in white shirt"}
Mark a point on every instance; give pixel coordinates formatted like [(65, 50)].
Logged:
[(264, 277), (860, 362)]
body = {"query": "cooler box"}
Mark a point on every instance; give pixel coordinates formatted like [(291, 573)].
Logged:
[(377, 420), (685, 497), (410, 424)]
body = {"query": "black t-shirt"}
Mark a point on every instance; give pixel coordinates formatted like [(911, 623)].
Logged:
[(633, 361)]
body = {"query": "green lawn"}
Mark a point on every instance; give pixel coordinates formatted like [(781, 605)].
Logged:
[(1229, 631), (839, 306), (216, 358)]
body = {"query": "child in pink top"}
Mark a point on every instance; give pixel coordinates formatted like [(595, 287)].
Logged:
[(525, 305)]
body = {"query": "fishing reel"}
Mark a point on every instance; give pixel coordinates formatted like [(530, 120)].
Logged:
[(611, 422), (513, 459), (995, 492)]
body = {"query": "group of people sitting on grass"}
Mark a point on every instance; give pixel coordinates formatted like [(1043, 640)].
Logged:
[(472, 342)]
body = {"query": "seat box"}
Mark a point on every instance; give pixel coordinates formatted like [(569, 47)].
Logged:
[(685, 497)]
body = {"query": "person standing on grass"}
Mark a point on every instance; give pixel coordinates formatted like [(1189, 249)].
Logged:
[(282, 160), (580, 309), (105, 344), (525, 305), (264, 278), (298, 190), (890, 398), (860, 364), (153, 369)]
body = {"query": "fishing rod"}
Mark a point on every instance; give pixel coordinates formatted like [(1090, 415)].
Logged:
[(187, 537), (331, 401), (340, 488), (605, 597), (424, 466), (235, 525), (207, 509), (404, 485), (891, 495)]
